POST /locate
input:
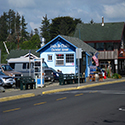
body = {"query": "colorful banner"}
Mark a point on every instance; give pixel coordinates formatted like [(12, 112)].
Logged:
[(95, 58)]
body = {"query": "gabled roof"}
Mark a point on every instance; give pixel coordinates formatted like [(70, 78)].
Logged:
[(76, 42), (97, 32), (80, 44), (19, 53)]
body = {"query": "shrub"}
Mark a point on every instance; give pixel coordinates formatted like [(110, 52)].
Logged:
[(116, 76)]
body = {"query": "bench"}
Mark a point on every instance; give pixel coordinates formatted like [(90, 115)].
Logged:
[(27, 82), (70, 79)]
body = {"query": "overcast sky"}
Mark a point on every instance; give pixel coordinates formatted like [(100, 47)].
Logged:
[(34, 10)]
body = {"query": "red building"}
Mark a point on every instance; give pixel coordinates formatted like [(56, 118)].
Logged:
[(109, 40)]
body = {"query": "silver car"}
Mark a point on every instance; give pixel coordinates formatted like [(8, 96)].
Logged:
[(6, 80)]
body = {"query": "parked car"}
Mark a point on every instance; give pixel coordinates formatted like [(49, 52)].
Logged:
[(6, 80), (48, 74), (7, 70), (56, 74)]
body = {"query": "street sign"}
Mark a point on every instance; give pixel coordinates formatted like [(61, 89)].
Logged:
[(79, 53), (79, 56)]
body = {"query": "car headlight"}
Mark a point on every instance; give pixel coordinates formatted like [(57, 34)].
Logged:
[(3, 79), (13, 75), (57, 74), (21, 74)]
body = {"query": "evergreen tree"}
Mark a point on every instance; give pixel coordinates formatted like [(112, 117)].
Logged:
[(3, 27), (11, 21), (23, 30), (36, 31), (18, 23), (45, 29), (31, 34), (91, 22)]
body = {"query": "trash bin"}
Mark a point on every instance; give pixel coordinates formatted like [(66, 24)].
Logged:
[(17, 83)]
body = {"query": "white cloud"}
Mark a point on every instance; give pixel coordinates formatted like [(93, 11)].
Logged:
[(34, 10), (115, 11), (21, 3)]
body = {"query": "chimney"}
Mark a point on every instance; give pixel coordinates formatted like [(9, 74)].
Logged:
[(42, 42), (102, 21)]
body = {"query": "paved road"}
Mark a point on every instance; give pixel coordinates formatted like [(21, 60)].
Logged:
[(102, 105)]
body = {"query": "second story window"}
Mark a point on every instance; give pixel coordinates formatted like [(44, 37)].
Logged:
[(109, 46), (100, 46)]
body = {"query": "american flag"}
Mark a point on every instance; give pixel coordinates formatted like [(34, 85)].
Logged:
[(95, 58)]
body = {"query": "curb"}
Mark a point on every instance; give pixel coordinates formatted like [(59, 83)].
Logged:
[(4, 99), (81, 87)]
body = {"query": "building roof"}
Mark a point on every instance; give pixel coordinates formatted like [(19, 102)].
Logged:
[(97, 32), (80, 44), (19, 53), (76, 42)]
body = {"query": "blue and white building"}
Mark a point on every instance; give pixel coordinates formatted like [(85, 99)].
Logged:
[(60, 54)]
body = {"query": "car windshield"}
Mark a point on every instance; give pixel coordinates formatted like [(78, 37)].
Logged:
[(44, 64), (7, 68), (2, 73), (53, 70)]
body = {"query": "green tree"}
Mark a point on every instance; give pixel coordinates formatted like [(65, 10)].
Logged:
[(33, 43), (11, 21), (45, 29), (3, 27), (24, 33), (63, 26), (36, 31), (31, 34), (91, 21), (18, 23)]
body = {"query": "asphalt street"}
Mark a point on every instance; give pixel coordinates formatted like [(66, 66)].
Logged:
[(102, 105)]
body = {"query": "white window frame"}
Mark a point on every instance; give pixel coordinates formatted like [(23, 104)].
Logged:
[(59, 59), (70, 59)]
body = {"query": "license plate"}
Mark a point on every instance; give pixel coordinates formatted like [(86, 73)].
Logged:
[(49, 78)]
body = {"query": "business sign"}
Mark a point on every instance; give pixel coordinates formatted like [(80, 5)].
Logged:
[(92, 69), (59, 47), (78, 53)]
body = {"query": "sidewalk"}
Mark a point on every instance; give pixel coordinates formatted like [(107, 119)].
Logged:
[(11, 94)]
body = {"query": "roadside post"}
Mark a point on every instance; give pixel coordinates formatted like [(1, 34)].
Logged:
[(41, 74), (38, 72), (79, 56)]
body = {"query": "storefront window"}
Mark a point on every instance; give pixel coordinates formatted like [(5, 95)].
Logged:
[(69, 59), (100, 46), (59, 59), (92, 44), (109, 46)]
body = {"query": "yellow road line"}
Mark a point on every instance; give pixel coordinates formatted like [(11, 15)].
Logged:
[(61, 98), (79, 94), (11, 110), (40, 103), (17, 97)]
